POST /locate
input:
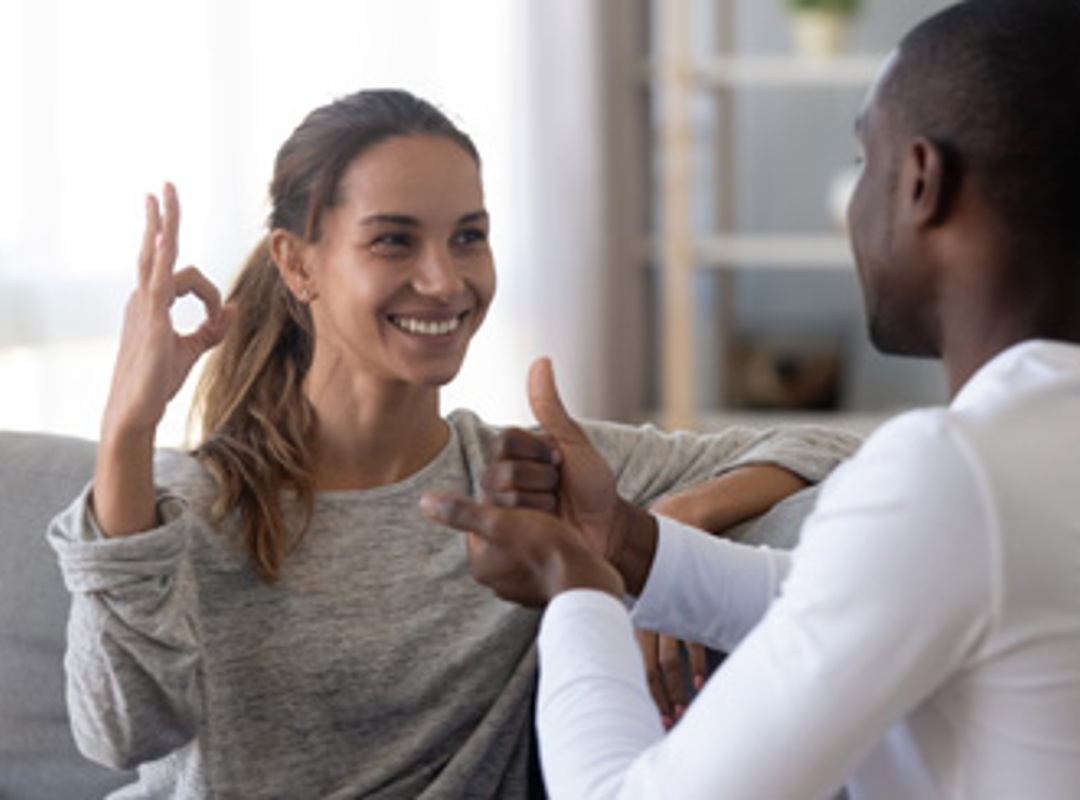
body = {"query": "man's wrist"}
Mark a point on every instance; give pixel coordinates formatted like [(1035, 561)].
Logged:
[(586, 570), (639, 534)]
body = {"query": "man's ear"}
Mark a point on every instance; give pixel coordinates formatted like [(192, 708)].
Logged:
[(290, 255), (927, 182)]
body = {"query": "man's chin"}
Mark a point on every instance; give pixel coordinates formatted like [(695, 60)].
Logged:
[(887, 342)]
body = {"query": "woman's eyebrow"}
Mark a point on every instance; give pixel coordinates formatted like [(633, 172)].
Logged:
[(404, 219), (390, 219), (475, 216)]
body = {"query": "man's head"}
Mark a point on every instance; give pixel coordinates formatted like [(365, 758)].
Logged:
[(972, 130)]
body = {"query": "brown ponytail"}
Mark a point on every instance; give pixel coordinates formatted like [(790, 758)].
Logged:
[(254, 413)]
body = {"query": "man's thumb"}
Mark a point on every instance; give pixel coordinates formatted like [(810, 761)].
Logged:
[(548, 407)]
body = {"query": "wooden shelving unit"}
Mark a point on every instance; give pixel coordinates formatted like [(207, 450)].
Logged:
[(675, 76)]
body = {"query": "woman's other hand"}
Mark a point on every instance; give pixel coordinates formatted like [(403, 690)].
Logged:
[(667, 670)]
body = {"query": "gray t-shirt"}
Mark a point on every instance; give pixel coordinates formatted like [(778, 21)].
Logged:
[(376, 667)]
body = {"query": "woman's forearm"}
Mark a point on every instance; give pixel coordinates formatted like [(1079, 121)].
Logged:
[(734, 497), (123, 498)]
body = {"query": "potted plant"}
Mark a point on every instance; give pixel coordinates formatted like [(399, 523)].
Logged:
[(821, 27)]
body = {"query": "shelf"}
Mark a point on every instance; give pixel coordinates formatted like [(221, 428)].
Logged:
[(775, 251), (788, 71), (770, 251), (780, 71)]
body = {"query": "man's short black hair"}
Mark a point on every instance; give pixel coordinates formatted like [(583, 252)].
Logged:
[(996, 84)]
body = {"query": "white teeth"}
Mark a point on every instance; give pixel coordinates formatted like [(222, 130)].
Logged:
[(426, 328)]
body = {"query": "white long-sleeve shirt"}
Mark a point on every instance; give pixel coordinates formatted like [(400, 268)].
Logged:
[(922, 641)]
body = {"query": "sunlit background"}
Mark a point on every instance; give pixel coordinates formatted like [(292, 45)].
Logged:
[(102, 101)]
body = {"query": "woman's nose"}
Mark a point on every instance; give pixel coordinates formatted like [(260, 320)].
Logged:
[(437, 274)]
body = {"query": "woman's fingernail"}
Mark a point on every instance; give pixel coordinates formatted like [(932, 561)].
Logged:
[(699, 682)]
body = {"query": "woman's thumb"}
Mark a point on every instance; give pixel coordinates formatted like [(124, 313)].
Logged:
[(548, 407)]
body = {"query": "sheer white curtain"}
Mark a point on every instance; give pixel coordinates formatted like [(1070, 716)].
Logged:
[(103, 101)]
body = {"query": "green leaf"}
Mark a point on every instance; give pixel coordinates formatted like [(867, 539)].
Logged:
[(845, 7)]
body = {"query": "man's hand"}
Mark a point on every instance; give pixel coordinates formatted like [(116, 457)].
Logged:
[(523, 555), (557, 470), (560, 471), (586, 490)]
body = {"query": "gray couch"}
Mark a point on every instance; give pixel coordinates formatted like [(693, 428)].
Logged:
[(39, 476)]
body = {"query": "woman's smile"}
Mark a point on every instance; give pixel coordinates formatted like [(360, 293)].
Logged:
[(428, 326)]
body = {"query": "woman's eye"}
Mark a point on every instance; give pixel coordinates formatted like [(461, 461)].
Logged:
[(469, 237), (391, 243)]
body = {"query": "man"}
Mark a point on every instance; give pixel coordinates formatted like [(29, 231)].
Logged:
[(923, 640)]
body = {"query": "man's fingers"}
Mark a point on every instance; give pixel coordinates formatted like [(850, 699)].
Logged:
[(529, 476), (524, 472), (517, 444), (458, 512), (548, 407), (534, 501), (475, 545)]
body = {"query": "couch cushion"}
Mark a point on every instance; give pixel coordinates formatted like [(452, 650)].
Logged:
[(39, 476)]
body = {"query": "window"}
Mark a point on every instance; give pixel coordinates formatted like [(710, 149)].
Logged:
[(105, 100)]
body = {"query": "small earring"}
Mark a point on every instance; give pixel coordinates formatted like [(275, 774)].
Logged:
[(305, 296)]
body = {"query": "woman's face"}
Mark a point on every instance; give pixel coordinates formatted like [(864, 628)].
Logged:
[(402, 274)]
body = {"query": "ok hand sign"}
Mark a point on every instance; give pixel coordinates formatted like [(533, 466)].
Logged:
[(153, 363), (154, 358)]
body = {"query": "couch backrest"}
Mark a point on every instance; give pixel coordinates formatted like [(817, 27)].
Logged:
[(39, 476)]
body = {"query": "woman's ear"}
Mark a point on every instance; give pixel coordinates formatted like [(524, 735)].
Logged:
[(290, 255), (927, 182)]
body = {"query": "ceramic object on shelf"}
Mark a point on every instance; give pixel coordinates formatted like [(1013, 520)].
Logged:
[(841, 187)]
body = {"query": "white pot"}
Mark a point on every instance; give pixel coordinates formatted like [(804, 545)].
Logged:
[(820, 34), (838, 197)]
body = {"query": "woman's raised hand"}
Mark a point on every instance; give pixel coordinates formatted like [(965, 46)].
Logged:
[(154, 358), (153, 362)]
